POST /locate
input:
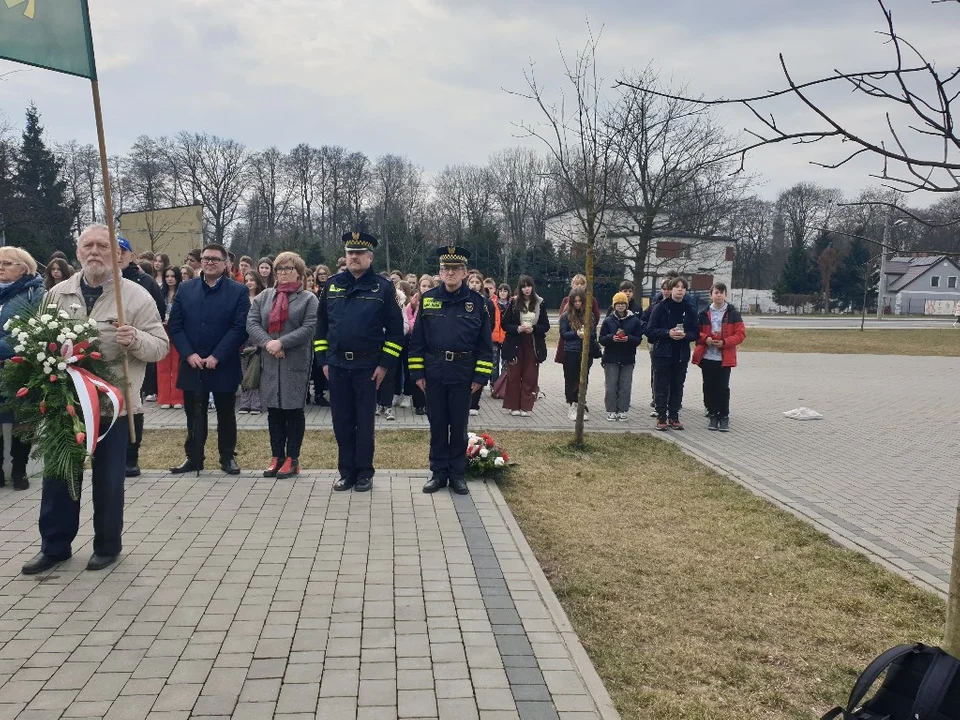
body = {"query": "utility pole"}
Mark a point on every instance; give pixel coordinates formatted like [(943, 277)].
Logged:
[(882, 282)]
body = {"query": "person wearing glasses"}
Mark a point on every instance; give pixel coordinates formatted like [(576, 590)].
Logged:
[(359, 338), (208, 326), (21, 291)]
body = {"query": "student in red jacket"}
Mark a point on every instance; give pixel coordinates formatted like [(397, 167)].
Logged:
[(721, 330)]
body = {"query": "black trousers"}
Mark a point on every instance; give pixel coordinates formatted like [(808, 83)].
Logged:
[(448, 407), (286, 432), (403, 382), (149, 386), (571, 375), (716, 387), (60, 515), (668, 378), (353, 403), (419, 399), (133, 449), (197, 423), (19, 456)]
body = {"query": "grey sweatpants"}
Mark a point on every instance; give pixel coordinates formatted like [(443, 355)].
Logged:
[(618, 384)]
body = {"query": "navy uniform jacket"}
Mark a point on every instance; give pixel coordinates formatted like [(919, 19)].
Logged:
[(210, 321), (360, 315), (451, 322)]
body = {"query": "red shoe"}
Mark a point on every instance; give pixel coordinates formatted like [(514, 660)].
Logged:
[(290, 468), (662, 424), (274, 467), (676, 424)]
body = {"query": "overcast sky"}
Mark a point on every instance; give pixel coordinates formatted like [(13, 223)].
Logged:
[(426, 78)]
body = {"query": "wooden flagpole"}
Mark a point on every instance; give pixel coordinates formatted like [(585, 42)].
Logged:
[(114, 252)]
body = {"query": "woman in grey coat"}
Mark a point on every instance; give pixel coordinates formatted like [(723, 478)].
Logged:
[(282, 321)]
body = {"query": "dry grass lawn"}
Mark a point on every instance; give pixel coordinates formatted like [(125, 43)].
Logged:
[(695, 599), (943, 342)]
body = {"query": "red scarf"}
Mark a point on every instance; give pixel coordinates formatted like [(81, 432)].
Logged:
[(281, 305)]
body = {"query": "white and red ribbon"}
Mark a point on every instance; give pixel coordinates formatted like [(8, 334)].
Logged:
[(88, 386)]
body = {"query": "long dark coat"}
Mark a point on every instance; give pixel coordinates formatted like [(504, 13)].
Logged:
[(210, 321)]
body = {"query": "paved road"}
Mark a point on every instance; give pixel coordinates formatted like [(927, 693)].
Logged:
[(879, 472), (258, 599), (847, 322)]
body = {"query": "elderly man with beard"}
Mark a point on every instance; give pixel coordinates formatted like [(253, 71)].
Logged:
[(91, 294)]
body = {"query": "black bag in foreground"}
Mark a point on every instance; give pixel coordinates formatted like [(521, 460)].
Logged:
[(922, 683)]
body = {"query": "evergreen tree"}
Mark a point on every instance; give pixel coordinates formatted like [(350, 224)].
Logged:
[(850, 278), (799, 278), (43, 225)]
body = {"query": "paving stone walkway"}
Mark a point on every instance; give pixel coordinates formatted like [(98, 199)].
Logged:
[(878, 474), (252, 598)]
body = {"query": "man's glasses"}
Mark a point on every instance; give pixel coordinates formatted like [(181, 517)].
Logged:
[(212, 260)]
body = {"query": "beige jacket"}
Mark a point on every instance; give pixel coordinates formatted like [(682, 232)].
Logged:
[(139, 310)]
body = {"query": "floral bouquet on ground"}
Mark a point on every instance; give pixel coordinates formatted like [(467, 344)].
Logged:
[(484, 454), (53, 384)]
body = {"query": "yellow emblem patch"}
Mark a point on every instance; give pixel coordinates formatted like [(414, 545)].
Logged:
[(432, 303), (356, 236), (335, 289)]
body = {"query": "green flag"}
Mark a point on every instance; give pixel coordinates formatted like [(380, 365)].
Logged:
[(52, 34)]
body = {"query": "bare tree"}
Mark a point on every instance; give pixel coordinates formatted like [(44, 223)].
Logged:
[(271, 184), (807, 209), (676, 170), (518, 177), (357, 181), (584, 163), (305, 165), (919, 147), (219, 166), (398, 192)]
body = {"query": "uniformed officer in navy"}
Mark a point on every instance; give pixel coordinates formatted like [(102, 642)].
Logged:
[(451, 356), (359, 331)]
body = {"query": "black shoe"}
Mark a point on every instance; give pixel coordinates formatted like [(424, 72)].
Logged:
[(344, 484), (435, 483), (40, 562), (363, 485), (420, 411), (724, 425), (459, 486), (3, 480), (714, 423), (230, 466), (99, 562), (322, 402), (20, 481), (132, 471), (187, 466)]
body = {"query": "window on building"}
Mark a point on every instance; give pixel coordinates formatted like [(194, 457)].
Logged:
[(668, 249), (952, 282), (728, 256), (700, 283), (934, 281)]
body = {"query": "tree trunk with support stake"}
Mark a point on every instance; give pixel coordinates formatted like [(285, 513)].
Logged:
[(587, 329)]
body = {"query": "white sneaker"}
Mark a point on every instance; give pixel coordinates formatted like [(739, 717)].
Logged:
[(622, 417), (516, 413), (524, 413), (586, 416), (379, 411), (653, 413), (572, 412), (164, 407), (405, 402), (388, 414), (178, 406), (612, 417), (150, 398), (396, 400), (474, 411)]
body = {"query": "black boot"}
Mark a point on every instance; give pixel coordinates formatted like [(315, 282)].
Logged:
[(437, 482), (459, 486), (187, 466), (133, 449)]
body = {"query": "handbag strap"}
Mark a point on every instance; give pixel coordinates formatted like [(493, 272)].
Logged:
[(933, 687), (875, 669)]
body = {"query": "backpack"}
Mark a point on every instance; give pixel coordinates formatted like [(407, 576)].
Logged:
[(921, 683)]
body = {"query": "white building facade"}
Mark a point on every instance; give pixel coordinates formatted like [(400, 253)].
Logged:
[(702, 259)]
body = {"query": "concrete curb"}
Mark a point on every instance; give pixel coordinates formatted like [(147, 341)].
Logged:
[(578, 655)]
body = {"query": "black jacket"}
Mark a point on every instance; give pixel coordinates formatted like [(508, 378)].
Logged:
[(666, 315), (133, 272), (510, 322), (618, 352)]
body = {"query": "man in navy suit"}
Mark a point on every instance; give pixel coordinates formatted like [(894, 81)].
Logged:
[(208, 325)]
